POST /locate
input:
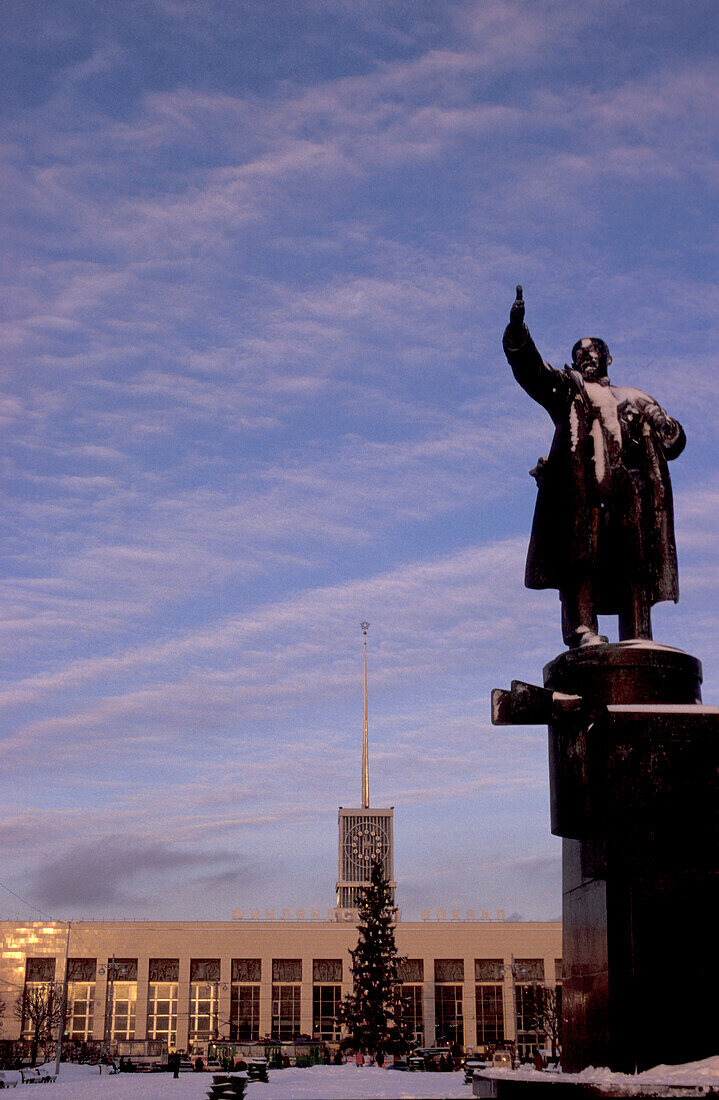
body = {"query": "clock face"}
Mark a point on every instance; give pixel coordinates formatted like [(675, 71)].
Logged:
[(365, 842)]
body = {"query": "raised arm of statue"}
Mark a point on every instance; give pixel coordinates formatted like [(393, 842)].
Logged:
[(544, 383)]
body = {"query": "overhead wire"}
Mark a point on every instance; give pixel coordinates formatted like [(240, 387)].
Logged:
[(55, 920)]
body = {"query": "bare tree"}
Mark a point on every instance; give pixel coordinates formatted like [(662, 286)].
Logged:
[(2, 1011), (547, 1016), (38, 1010)]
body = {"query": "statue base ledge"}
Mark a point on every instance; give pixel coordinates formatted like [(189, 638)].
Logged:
[(630, 672)]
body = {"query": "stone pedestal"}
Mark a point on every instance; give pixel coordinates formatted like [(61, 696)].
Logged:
[(634, 781)]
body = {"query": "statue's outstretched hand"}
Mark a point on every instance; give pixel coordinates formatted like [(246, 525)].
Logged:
[(516, 313)]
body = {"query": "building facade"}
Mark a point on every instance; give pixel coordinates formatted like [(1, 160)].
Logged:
[(473, 982)]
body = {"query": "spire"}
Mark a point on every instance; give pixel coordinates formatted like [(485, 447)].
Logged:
[(365, 738)]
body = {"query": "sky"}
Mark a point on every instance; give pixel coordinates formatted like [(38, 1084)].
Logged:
[(258, 258)]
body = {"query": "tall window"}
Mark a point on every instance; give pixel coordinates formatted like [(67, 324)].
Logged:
[(162, 1000), (286, 991), (121, 999), (204, 986), (326, 1001), (80, 1010), (326, 997), (448, 1014), (245, 1013), (412, 1013), (489, 974), (411, 975), (80, 998), (529, 988), (245, 1000), (529, 1011), (39, 991), (162, 1011), (285, 1011), (448, 1004), (124, 1003), (490, 1015)]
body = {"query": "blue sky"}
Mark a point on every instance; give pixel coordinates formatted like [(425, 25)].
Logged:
[(258, 261)]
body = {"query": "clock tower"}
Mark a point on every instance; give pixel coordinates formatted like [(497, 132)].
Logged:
[(364, 833)]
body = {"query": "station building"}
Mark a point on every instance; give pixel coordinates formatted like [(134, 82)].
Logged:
[(465, 980), (468, 981), (468, 977)]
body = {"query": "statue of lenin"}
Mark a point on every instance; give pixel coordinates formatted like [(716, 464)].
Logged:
[(603, 529)]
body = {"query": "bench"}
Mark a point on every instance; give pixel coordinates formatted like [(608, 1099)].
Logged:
[(224, 1087), (34, 1076)]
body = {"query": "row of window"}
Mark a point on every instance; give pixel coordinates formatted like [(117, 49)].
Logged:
[(243, 1025), (204, 1023), (285, 970), (42, 970), (120, 1011), (244, 1022)]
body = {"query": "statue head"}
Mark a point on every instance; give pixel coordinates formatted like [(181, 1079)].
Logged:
[(590, 356)]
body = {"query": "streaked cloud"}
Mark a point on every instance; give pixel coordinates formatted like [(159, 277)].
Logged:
[(252, 392)]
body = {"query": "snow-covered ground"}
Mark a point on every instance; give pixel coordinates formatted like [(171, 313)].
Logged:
[(698, 1074), (315, 1083), (334, 1083), (704, 1073)]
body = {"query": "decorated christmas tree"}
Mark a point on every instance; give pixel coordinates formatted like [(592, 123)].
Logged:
[(372, 1012)]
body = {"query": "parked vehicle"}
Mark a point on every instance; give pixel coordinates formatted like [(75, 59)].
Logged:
[(145, 1054), (428, 1058), (502, 1059)]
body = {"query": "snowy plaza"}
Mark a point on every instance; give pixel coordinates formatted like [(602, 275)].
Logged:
[(345, 1083), (314, 1083)]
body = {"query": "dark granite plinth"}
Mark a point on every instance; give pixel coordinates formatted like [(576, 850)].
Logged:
[(634, 786), (488, 1087)]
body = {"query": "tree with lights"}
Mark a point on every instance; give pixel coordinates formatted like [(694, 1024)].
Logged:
[(372, 1012)]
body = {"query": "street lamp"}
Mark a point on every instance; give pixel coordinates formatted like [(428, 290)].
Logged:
[(113, 970), (63, 1004)]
